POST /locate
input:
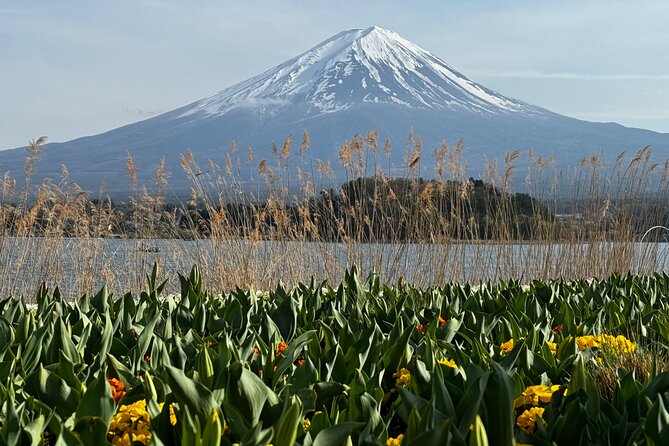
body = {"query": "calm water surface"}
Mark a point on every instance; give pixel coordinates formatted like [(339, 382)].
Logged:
[(76, 265)]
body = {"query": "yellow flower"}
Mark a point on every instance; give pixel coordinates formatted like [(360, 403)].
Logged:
[(305, 424), (535, 395), (130, 424), (507, 347), (617, 345), (395, 441), (173, 416), (589, 341), (402, 378), (128, 439), (448, 363), (528, 419), (552, 346)]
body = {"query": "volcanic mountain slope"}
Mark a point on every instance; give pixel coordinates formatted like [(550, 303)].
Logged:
[(354, 82)]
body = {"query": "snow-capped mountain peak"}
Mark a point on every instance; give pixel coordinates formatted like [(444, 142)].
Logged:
[(354, 82), (373, 65)]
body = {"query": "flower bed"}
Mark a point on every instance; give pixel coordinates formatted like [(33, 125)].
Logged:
[(560, 362)]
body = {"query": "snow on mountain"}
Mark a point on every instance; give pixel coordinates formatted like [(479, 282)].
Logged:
[(354, 82), (371, 65)]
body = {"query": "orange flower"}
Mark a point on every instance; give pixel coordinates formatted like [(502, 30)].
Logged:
[(117, 388), (300, 362), (282, 346), (147, 358), (256, 351), (442, 321), (421, 328)]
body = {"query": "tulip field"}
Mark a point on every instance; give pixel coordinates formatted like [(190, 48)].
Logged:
[(360, 363)]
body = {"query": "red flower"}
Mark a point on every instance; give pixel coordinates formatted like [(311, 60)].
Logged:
[(558, 328), (282, 346), (420, 328), (117, 388)]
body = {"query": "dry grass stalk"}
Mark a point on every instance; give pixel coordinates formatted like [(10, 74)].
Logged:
[(294, 226)]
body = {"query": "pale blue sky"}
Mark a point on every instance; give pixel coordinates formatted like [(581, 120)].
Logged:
[(75, 68)]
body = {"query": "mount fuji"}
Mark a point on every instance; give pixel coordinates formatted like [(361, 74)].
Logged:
[(354, 82)]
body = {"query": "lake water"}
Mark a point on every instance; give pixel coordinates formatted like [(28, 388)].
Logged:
[(79, 265)]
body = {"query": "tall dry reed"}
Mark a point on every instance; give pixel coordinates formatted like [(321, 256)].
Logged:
[(298, 222)]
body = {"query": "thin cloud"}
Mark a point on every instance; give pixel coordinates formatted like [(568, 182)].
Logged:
[(574, 76)]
